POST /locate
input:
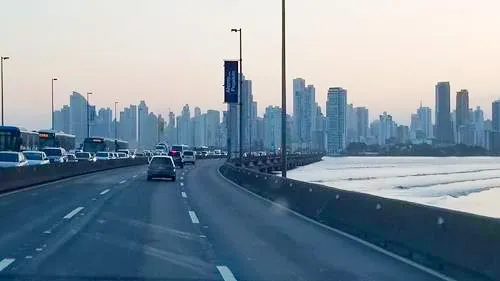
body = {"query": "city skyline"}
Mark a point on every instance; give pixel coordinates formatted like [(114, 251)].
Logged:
[(380, 51)]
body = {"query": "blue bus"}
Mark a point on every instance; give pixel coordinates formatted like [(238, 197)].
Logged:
[(18, 139), (96, 144), (51, 138)]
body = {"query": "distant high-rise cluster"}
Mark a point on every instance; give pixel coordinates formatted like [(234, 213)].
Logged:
[(308, 128)]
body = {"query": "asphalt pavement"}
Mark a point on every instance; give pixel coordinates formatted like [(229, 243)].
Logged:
[(115, 225)]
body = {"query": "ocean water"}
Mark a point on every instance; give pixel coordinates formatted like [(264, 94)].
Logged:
[(469, 184)]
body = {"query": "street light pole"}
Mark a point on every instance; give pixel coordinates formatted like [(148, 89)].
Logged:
[(52, 82), (283, 92), (241, 92), (88, 119), (116, 132), (1, 82)]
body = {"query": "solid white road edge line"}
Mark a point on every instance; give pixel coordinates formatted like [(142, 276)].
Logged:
[(73, 213), (194, 218), (347, 235), (104, 192), (6, 262), (226, 273), (184, 195)]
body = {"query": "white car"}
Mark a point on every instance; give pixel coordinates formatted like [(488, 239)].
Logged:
[(56, 154), (36, 157), (12, 159), (189, 157), (84, 156), (99, 156)]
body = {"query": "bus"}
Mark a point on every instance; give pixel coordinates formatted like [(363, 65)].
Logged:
[(51, 138), (17, 139), (96, 144)]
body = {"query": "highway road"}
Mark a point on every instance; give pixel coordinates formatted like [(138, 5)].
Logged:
[(115, 225)]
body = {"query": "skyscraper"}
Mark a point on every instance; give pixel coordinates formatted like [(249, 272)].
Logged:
[(362, 123), (272, 128), (299, 86), (171, 129), (478, 120), (336, 120), (495, 119), (444, 133), (462, 109), (62, 119), (212, 127), (425, 121), (78, 116), (246, 111), (127, 129), (304, 108), (386, 128), (351, 124), (142, 114), (199, 129), (103, 123), (185, 136)]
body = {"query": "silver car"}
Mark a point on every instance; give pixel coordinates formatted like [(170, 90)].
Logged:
[(161, 167), (12, 159), (36, 157), (56, 154)]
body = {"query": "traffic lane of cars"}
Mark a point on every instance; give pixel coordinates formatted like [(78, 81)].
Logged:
[(32, 216), (142, 231)]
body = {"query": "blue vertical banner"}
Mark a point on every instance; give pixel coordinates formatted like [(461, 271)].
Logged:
[(231, 84)]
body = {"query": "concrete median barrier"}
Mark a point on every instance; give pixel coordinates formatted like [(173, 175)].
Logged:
[(461, 245), (20, 177)]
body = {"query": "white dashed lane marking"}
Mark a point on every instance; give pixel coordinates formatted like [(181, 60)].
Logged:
[(182, 184), (73, 213), (123, 181), (5, 263), (104, 191), (226, 273), (194, 218), (184, 195)]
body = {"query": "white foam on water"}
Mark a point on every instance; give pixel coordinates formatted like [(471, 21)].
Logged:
[(468, 184)]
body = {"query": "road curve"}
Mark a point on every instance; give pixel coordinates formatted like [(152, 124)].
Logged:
[(115, 225)]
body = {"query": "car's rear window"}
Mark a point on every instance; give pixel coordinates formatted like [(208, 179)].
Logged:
[(176, 148), (9, 157), (33, 155), (71, 157), (52, 151), (102, 154), (188, 153), (82, 155), (161, 161), (174, 153)]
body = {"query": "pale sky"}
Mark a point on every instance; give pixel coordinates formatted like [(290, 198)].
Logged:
[(388, 54)]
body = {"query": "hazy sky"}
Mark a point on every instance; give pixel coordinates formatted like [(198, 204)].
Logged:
[(387, 53)]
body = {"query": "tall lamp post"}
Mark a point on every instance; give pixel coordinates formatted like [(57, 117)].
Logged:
[(1, 82), (240, 78), (88, 117), (52, 82), (116, 132), (283, 91)]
